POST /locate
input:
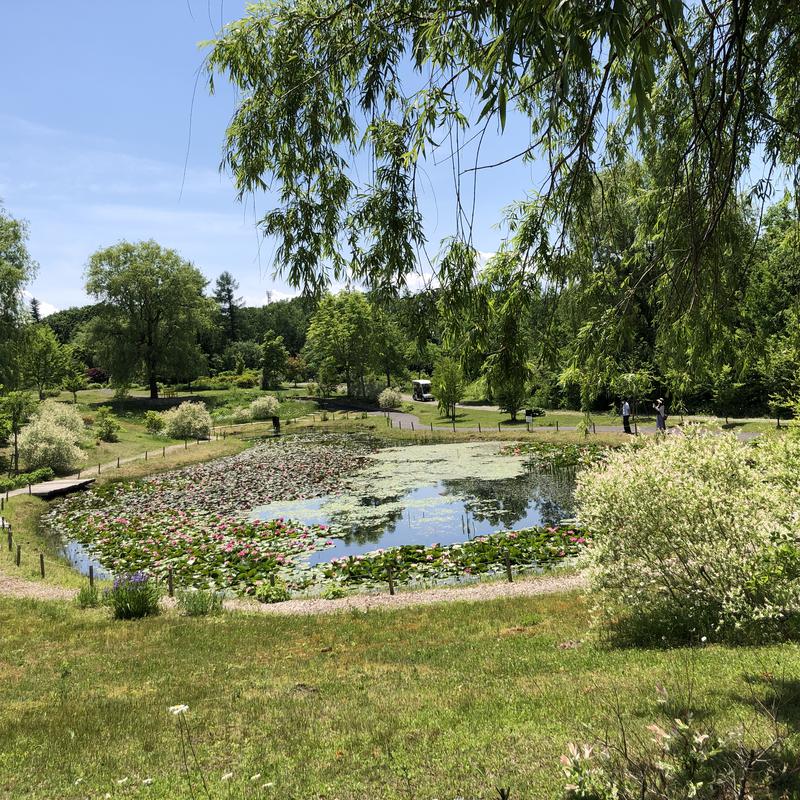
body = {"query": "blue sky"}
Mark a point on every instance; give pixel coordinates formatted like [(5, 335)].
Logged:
[(95, 112)]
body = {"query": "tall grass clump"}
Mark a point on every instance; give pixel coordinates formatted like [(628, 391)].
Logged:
[(199, 602), (696, 536), (133, 596)]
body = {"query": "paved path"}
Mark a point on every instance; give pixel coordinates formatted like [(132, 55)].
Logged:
[(408, 421)]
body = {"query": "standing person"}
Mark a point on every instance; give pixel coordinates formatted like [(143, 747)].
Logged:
[(626, 416), (661, 415)]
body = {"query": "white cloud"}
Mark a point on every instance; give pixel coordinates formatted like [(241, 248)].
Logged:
[(45, 308)]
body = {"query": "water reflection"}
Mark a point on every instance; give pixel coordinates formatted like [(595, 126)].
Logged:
[(446, 512)]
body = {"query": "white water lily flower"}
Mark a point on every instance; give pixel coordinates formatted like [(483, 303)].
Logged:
[(178, 710)]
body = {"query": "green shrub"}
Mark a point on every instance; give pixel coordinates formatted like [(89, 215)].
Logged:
[(334, 591), (133, 596), (88, 596), (153, 422), (264, 407), (24, 478), (106, 425), (199, 602), (266, 593), (694, 536), (187, 421)]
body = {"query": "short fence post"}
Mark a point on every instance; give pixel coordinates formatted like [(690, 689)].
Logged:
[(171, 583), (556, 426), (508, 568), (390, 577), (400, 424), (431, 427), (185, 444), (529, 426), (498, 427), (29, 489), (412, 426), (479, 427), (164, 451), (117, 462), (41, 563), (10, 543), (19, 553), (98, 469), (594, 428), (91, 575), (145, 455)]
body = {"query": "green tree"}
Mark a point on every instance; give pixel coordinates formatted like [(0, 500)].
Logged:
[(589, 82), (229, 304), (16, 408), (75, 378), (16, 269), (341, 333), (152, 310), (724, 385), (391, 347), (447, 384), (273, 360), (46, 361), (296, 369)]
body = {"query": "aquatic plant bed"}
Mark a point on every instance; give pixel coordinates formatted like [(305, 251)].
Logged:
[(203, 550), (549, 455), (484, 555)]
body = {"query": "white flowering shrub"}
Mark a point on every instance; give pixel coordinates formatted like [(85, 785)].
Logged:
[(696, 536), (43, 443), (264, 407), (242, 415), (187, 421), (390, 398), (63, 415)]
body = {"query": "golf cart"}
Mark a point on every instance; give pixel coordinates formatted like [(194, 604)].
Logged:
[(421, 390)]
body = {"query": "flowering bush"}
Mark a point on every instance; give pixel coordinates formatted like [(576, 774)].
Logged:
[(63, 415), (187, 421), (696, 535), (241, 415), (43, 443), (390, 398), (133, 596), (264, 407)]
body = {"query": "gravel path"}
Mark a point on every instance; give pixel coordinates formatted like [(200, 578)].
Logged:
[(23, 589)]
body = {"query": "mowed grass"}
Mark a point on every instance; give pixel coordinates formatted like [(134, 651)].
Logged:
[(439, 702)]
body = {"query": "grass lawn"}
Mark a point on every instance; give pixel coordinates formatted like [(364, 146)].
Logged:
[(436, 702)]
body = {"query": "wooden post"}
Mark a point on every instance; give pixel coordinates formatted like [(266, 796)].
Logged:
[(171, 583), (19, 553), (185, 444), (556, 426), (390, 577), (98, 469), (529, 426), (594, 428), (145, 455), (508, 568), (479, 427), (117, 462), (412, 426), (400, 424), (41, 563), (164, 451), (431, 427), (29, 488), (498, 427), (91, 575), (10, 543)]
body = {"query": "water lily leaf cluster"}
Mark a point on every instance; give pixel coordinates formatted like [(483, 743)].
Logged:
[(551, 456), (483, 555)]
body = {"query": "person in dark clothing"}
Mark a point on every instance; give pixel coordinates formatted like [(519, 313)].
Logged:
[(626, 416)]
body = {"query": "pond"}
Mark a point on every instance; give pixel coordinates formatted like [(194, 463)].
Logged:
[(427, 494)]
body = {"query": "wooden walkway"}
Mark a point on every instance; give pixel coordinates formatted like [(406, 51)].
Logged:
[(50, 489)]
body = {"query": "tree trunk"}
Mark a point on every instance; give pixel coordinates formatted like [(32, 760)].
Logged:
[(16, 452), (153, 387)]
